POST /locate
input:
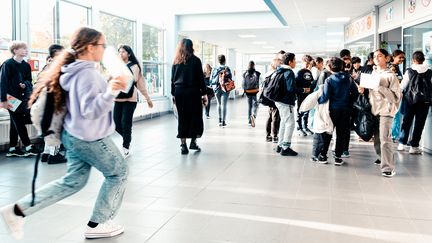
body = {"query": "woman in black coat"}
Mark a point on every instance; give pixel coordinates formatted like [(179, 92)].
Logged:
[(189, 94)]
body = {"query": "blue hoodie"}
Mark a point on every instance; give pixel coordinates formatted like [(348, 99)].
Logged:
[(338, 88), (89, 101)]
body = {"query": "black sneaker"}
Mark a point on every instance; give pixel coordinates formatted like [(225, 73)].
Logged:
[(224, 124), (278, 149), (220, 122), (308, 131), (16, 152), (302, 133), (339, 161), (275, 139), (314, 159), (56, 159), (269, 139), (194, 146), (288, 152), (44, 157), (377, 162), (322, 159), (184, 149), (388, 173), (31, 151)]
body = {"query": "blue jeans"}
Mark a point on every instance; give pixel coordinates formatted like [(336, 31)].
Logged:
[(396, 125), (222, 99), (252, 106), (81, 156)]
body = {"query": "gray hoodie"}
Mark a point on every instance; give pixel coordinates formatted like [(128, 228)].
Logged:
[(89, 101)]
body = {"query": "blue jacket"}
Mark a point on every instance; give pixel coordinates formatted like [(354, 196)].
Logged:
[(289, 97), (338, 88)]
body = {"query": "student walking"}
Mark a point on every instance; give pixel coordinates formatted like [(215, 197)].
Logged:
[(221, 95), (384, 102), (126, 103), (189, 94), (89, 101), (210, 93), (251, 81)]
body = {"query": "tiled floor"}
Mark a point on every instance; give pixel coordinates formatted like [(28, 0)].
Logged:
[(238, 190)]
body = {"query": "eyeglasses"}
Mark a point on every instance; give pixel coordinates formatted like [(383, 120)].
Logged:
[(104, 45)]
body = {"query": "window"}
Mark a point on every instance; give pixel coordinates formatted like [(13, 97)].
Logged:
[(41, 25), (153, 59), (418, 38), (208, 54), (197, 46), (6, 23), (117, 30), (71, 17)]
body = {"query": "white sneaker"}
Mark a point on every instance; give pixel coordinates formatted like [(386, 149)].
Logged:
[(14, 223), (126, 153), (400, 147), (415, 150), (107, 229)]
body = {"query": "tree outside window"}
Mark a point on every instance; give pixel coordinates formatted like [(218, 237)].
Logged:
[(117, 30)]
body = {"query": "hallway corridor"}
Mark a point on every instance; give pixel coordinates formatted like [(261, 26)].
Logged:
[(237, 189)]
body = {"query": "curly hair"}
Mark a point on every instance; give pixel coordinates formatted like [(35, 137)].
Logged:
[(184, 51)]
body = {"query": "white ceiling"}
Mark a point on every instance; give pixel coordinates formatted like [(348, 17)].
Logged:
[(307, 32)]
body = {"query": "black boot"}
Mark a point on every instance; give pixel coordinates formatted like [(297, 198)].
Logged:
[(184, 149), (194, 146)]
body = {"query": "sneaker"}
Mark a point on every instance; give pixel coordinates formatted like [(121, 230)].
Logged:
[(345, 154), (288, 152), (269, 139), (252, 120), (400, 147), (224, 124), (377, 162), (44, 157), (308, 131), (184, 149), (15, 152), (415, 150), (278, 149), (56, 159), (13, 222), (220, 122), (107, 229), (314, 159), (275, 139), (388, 173), (207, 117), (31, 150), (338, 161), (322, 159), (126, 153), (302, 133), (194, 146)]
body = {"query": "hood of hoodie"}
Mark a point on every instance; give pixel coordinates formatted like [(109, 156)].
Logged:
[(420, 68), (71, 69)]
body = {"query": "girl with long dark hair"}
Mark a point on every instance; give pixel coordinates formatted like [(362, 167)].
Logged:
[(189, 94), (125, 103)]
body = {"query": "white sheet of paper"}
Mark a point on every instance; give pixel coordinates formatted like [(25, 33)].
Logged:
[(370, 81), (117, 68)]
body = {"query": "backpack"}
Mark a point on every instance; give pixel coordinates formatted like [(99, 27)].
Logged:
[(419, 87), (276, 88), (225, 81), (264, 100), (251, 82), (123, 95), (365, 122)]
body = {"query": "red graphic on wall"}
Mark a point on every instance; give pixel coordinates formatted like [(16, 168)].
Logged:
[(426, 2), (411, 6)]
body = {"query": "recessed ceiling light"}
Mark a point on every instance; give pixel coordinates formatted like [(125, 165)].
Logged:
[(338, 19), (259, 42), (247, 36), (335, 33), (319, 54), (407, 35)]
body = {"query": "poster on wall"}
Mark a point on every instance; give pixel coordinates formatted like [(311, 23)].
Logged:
[(427, 47)]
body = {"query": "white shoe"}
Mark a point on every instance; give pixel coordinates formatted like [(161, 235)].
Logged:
[(400, 147), (126, 153), (105, 230), (415, 150), (14, 223)]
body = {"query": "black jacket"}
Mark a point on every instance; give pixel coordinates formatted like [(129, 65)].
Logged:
[(188, 75), (12, 74)]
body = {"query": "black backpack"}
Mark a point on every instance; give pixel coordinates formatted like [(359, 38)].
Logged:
[(251, 81), (264, 100), (419, 88), (129, 94), (365, 122), (276, 88)]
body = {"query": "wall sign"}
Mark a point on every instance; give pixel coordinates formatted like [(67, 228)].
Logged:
[(426, 2), (411, 6)]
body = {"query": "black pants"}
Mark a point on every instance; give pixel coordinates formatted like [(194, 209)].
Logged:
[(207, 108), (321, 143), (420, 112), (302, 117), (340, 119), (17, 127), (273, 122), (123, 117)]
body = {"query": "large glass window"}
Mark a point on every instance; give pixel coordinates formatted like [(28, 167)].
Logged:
[(41, 24), (153, 59), (71, 17), (418, 38), (117, 30), (6, 23), (208, 54)]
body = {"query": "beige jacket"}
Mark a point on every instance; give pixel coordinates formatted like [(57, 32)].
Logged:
[(386, 98), (140, 85)]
